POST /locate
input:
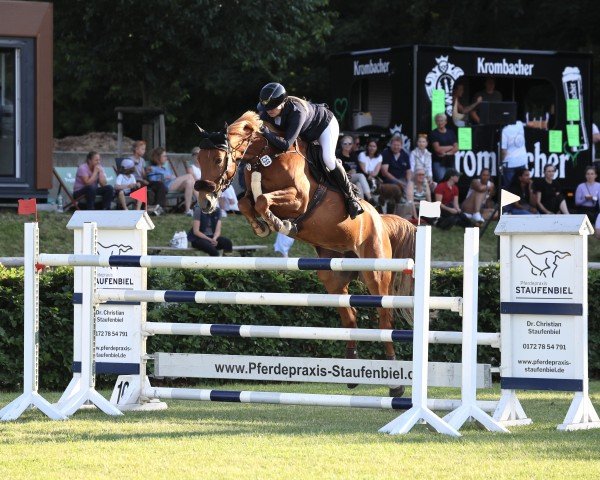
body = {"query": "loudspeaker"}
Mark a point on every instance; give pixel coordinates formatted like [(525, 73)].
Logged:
[(497, 113)]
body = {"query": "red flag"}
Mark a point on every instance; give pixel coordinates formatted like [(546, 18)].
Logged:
[(141, 194), (27, 207)]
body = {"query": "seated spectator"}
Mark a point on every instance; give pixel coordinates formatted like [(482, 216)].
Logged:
[(349, 161), (480, 190), (157, 189), (395, 167), (90, 180), (521, 186), (160, 171), (205, 234), (420, 157), (192, 166), (460, 109), (356, 146), (125, 183), (419, 191), (587, 195), (444, 145), (370, 163), (447, 194), (488, 94), (548, 197)]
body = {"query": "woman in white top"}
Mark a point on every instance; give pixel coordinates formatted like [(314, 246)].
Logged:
[(587, 195), (480, 190), (420, 157), (370, 163)]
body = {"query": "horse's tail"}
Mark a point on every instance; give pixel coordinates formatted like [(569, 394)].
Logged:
[(402, 236)]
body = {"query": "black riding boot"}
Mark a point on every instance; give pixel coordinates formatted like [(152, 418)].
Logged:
[(338, 175)]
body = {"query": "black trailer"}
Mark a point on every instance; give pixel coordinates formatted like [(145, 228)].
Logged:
[(389, 90)]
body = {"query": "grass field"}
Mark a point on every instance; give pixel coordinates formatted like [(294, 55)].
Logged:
[(194, 440), (55, 238)]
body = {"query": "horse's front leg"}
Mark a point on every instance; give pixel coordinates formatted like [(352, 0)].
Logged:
[(246, 206), (286, 197)]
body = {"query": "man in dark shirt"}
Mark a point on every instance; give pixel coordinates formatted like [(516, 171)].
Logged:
[(395, 167), (490, 94)]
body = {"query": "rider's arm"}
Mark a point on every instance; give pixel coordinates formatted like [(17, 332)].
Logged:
[(294, 122)]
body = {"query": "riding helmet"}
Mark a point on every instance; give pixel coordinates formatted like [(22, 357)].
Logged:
[(271, 96)]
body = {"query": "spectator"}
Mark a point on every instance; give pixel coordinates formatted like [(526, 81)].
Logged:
[(90, 180), (447, 194), (459, 107), (521, 186), (283, 244), (548, 196), (370, 163), (445, 145), (156, 188), (160, 171), (480, 190), (587, 195), (489, 94), (349, 161), (514, 153), (419, 191), (126, 183), (420, 157), (395, 168), (205, 234), (595, 140), (192, 166), (356, 147)]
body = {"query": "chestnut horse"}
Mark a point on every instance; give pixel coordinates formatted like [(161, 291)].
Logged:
[(279, 199)]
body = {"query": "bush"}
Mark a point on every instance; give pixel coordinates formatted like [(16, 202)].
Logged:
[(56, 319)]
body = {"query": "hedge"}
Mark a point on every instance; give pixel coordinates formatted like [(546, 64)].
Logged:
[(56, 325)]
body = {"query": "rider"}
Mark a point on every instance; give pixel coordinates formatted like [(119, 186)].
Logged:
[(298, 118)]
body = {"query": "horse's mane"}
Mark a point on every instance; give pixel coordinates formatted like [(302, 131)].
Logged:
[(249, 120)]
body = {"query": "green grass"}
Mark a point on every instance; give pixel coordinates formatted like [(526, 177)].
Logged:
[(55, 238), (222, 441)]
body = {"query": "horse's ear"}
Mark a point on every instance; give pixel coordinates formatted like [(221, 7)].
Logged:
[(200, 129), (225, 127)]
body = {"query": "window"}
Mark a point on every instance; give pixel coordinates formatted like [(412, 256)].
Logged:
[(9, 113)]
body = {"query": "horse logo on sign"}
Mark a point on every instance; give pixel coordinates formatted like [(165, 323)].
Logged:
[(542, 262)]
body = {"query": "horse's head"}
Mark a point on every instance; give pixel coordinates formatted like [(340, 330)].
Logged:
[(220, 154)]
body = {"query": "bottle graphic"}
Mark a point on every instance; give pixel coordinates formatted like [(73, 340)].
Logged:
[(572, 86)]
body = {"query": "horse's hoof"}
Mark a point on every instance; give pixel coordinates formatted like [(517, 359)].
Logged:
[(261, 229), (352, 353), (397, 391)]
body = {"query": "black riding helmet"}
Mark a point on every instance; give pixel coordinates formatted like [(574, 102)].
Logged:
[(271, 95)]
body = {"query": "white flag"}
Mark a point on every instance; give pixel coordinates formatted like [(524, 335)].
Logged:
[(430, 209), (506, 198)]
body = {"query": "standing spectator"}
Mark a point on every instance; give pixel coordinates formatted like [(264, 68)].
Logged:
[(444, 144), (447, 194), (283, 244), (159, 171), (489, 94), (548, 196), (587, 195), (460, 109), (480, 190), (514, 153), (349, 161), (521, 186), (90, 180), (420, 157), (370, 163), (126, 183), (205, 234), (158, 189)]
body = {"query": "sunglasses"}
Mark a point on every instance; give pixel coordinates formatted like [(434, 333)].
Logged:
[(346, 143)]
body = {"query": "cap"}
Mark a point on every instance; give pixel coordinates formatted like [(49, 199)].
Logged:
[(127, 164)]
